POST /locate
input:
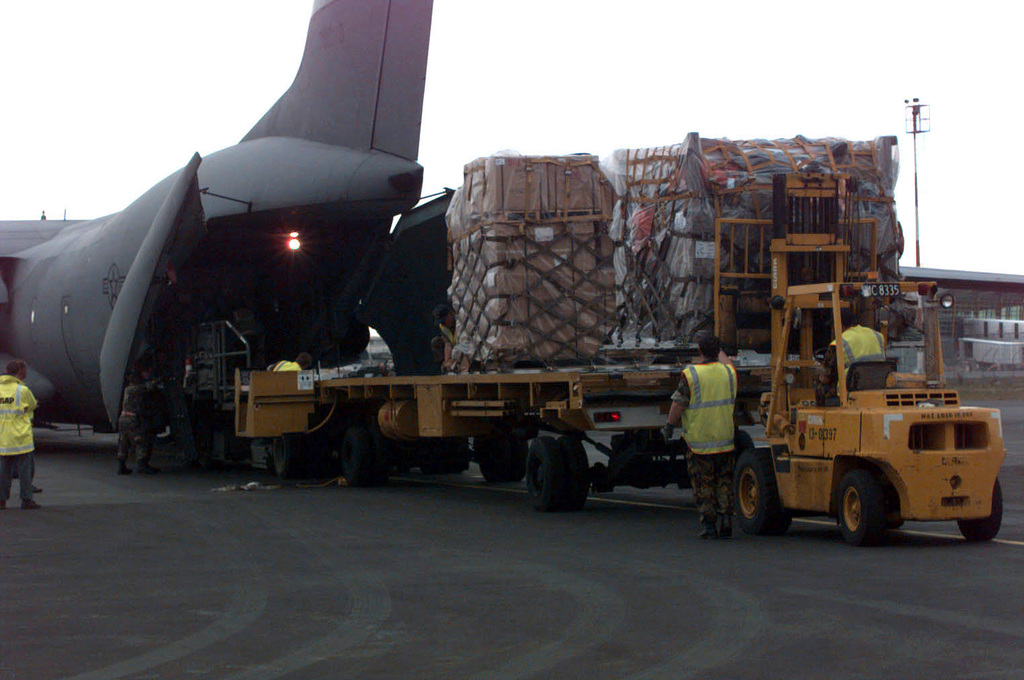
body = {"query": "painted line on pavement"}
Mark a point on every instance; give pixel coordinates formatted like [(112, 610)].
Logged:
[(665, 506)]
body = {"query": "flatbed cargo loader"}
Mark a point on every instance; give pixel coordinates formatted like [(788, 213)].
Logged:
[(371, 426)]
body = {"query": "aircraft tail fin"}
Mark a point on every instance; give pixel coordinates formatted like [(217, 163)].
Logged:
[(361, 80)]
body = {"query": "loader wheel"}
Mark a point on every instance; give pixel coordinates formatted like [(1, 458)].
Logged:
[(577, 472), (285, 456), (985, 529), (757, 495), (358, 457), (861, 508), (545, 474), (501, 459)]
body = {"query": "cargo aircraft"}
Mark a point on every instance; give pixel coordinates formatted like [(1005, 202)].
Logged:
[(247, 256)]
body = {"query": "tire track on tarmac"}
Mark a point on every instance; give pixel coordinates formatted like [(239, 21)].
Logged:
[(370, 607), (724, 642), (248, 601), (934, 615), (601, 612)]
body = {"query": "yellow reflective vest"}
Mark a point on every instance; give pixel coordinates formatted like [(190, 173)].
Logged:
[(447, 333), (17, 404), (286, 366), (862, 344), (707, 421)]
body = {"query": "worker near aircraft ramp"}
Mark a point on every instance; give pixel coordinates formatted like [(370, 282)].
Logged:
[(443, 344), (301, 363), (704, 402), (135, 431), (17, 406)]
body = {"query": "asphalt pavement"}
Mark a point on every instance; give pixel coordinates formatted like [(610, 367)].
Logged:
[(185, 575)]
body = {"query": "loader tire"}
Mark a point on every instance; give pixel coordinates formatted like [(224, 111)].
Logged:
[(758, 507), (577, 473), (359, 457), (285, 454), (545, 474), (501, 459), (985, 529)]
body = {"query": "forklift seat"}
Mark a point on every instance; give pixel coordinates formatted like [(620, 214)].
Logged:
[(869, 375)]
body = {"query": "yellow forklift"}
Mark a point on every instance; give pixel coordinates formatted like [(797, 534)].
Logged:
[(892, 443)]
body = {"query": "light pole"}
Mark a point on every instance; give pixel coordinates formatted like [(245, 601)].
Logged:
[(919, 121)]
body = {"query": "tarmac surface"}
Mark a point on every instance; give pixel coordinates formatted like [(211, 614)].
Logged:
[(448, 577)]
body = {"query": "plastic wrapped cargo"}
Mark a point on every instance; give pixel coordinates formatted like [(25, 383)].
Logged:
[(664, 228), (532, 277)]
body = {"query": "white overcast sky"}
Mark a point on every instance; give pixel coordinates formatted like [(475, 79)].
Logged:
[(101, 99)]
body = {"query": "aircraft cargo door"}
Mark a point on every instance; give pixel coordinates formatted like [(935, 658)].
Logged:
[(176, 229)]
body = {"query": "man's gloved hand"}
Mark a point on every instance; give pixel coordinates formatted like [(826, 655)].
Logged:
[(667, 430)]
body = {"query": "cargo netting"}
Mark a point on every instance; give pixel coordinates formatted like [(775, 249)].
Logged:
[(532, 275), (670, 198)]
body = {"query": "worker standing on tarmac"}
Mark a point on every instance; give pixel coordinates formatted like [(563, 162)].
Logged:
[(135, 433), (704, 401), (860, 343), (17, 405), (301, 363)]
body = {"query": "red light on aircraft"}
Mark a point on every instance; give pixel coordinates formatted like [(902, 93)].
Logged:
[(607, 417)]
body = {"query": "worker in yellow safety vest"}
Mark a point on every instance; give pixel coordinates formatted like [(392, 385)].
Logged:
[(443, 344), (704, 402), (17, 405), (860, 343), (301, 363)]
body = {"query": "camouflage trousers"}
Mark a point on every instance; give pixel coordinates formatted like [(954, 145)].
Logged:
[(711, 478), (134, 436)]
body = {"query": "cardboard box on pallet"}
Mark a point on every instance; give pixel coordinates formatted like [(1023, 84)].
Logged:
[(508, 187), (532, 276)]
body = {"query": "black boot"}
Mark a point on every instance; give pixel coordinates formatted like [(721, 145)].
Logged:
[(122, 467), (708, 528), (147, 469), (724, 526)]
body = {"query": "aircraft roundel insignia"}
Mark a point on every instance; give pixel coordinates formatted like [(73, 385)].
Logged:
[(112, 284)]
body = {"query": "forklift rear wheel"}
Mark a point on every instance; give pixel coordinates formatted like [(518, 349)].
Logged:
[(985, 529), (757, 495), (862, 516), (545, 474)]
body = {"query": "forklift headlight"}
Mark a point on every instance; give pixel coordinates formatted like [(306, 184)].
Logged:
[(947, 301)]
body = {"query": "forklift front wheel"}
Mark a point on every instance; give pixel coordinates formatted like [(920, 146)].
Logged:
[(861, 508), (757, 495)]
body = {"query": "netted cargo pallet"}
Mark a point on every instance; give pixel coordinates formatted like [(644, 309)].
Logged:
[(703, 208), (532, 279)]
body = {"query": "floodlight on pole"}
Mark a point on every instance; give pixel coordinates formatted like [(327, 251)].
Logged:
[(919, 121)]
